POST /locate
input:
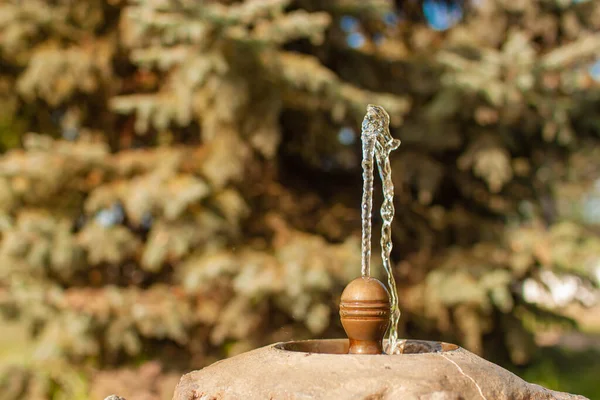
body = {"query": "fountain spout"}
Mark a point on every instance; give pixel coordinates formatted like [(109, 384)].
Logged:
[(365, 315)]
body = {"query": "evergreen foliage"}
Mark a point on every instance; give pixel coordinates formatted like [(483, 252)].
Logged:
[(180, 179)]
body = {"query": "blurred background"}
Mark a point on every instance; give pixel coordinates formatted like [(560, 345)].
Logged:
[(180, 182)]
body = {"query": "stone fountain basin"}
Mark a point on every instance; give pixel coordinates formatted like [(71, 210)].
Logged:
[(322, 369)]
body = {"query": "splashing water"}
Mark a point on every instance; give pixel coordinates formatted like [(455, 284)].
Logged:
[(377, 144)]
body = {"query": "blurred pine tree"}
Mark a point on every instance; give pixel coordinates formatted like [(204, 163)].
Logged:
[(197, 162)]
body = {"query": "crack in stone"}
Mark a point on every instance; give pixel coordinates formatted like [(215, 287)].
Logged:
[(463, 372)]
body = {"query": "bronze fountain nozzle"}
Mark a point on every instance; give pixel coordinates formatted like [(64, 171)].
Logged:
[(365, 312)]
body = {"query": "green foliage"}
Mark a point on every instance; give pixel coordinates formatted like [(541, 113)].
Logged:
[(565, 370), (186, 195)]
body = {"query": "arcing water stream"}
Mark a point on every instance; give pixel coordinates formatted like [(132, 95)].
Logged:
[(377, 144)]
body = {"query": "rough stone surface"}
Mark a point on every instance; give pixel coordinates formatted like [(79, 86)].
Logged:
[(426, 373)]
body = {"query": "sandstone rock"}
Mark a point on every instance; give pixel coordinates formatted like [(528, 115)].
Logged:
[(320, 369)]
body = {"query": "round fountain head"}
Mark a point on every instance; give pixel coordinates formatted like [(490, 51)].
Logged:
[(365, 313)]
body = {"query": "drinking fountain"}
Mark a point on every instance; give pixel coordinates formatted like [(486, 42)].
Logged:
[(365, 365), (357, 368)]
